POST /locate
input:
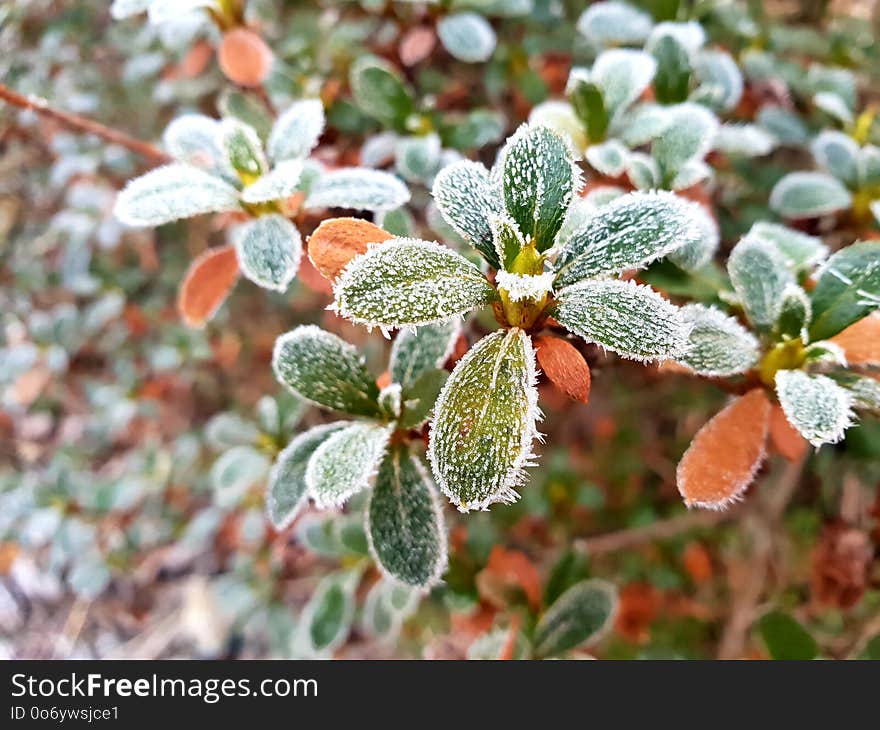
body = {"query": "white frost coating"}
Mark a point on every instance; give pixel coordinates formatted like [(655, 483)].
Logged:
[(506, 236), (630, 319), (297, 130), (696, 254), (390, 399), (825, 351), (721, 81), (838, 154), (418, 158), (809, 194), (609, 158), (690, 174), (344, 464), (614, 23), (358, 188), (269, 249), (485, 422), (416, 351), (801, 251), (280, 182), (467, 36), (760, 276), (718, 346), (747, 140), (622, 74), (833, 104), (524, 286), (690, 35), (192, 139), (406, 281), (160, 11), (815, 405), (643, 171), (689, 136), (172, 192), (643, 123), (560, 115)]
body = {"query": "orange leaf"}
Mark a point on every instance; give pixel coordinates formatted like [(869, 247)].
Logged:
[(724, 456), (507, 570), (861, 341), (338, 240), (244, 57), (207, 283), (416, 45), (564, 366), (785, 437), (697, 562)]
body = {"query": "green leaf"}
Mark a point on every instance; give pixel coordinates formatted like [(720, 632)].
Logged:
[(193, 139), (296, 131), (242, 148), (622, 75), (380, 91), (345, 462), (269, 249), (848, 289), (720, 80), (801, 251), (578, 616), (539, 180), (696, 254), (286, 491), (688, 137), (863, 389), (246, 108), (643, 123), (417, 351), (630, 319), (325, 370), (785, 638), (743, 140), (418, 158), (794, 313), (420, 398), (815, 405), (718, 345), (571, 568), (760, 275), (485, 422), (808, 195), (673, 76), (467, 36), (280, 182), (358, 188), (609, 158), (838, 154), (614, 23), (508, 240), (589, 106), (327, 617), (235, 472), (467, 199), (405, 522), (409, 282), (628, 233), (173, 192), (643, 171)]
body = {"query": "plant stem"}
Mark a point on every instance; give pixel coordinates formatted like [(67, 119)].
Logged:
[(81, 124)]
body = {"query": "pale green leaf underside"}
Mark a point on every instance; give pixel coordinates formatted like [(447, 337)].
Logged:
[(467, 36)]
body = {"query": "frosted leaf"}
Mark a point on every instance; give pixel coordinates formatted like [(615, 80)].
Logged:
[(325, 370), (378, 149), (172, 192), (847, 289), (609, 158), (409, 282), (643, 123), (598, 197), (405, 522), (358, 188), (580, 615), (869, 166), (815, 405), (297, 131), (825, 352), (127, 8), (689, 136), (629, 232), (718, 345), (326, 619), (280, 182), (417, 351), (161, 11), (345, 462), (794, 313), (539, 180), (286, 492), (834, 105), (490, 645), (379, 90), (485, 422), (628, 318), (674, 69), (466, 198), (786, 126), (622, 75), (520, 287), (744, 140), (268, 249), (759, 275), (875, 209), (863, 389), (802, 252), (690, 174), (235, 472), (721, 81), (808, 195), (418, 158), (242, 148), (838, 154), (696, 254), (643, 171), (507, 239), (391, 400), (614, 23), (561, 117), (398, 222), (194, 140), (690, 35), (467, 36)]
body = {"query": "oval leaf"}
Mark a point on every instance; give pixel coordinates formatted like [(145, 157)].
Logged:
[(718, 345), (467, 36), (269, 249), (815, 405), (418, 351), (338, 240), (808, 195), (296, 131), (580, 614), (760, 276), (847, 290), (206, 284), (564, 366)]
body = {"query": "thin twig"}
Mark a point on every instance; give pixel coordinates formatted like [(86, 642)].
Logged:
[(81, 124)]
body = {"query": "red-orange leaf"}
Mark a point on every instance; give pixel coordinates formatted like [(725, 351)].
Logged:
[(564, 366), (861, 341), (508, 573), (207, 283), (338, 240), (724, 456), (785, 437), (244, 57)]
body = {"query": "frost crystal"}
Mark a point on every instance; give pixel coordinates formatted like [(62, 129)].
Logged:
[(524, 286), (486, 421), (718, 345), (815, 405)]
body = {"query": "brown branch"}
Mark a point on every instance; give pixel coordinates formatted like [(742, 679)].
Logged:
[(81, 124)]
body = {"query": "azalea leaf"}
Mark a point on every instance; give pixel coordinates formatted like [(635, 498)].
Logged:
[(409, 282), (622, 74), (269, 249), (718, 345), (808, 195), (421, 350), (689, 136), (863, 389), (815, 405), (358, 188), (695, 254), (508, 240), (322, 368), (800, 250), (838, 154), (206, 284), (794, 313), (609, 158), (720, 80), (380, 91), (418, 158), (614, 23), (296, 131), (485, 422), (405, 521), (848, 288), (759, 275), (580, 615), (630, 319), (193, 139), (467, 36), (327, 617), (280, 182), (242, 148)]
